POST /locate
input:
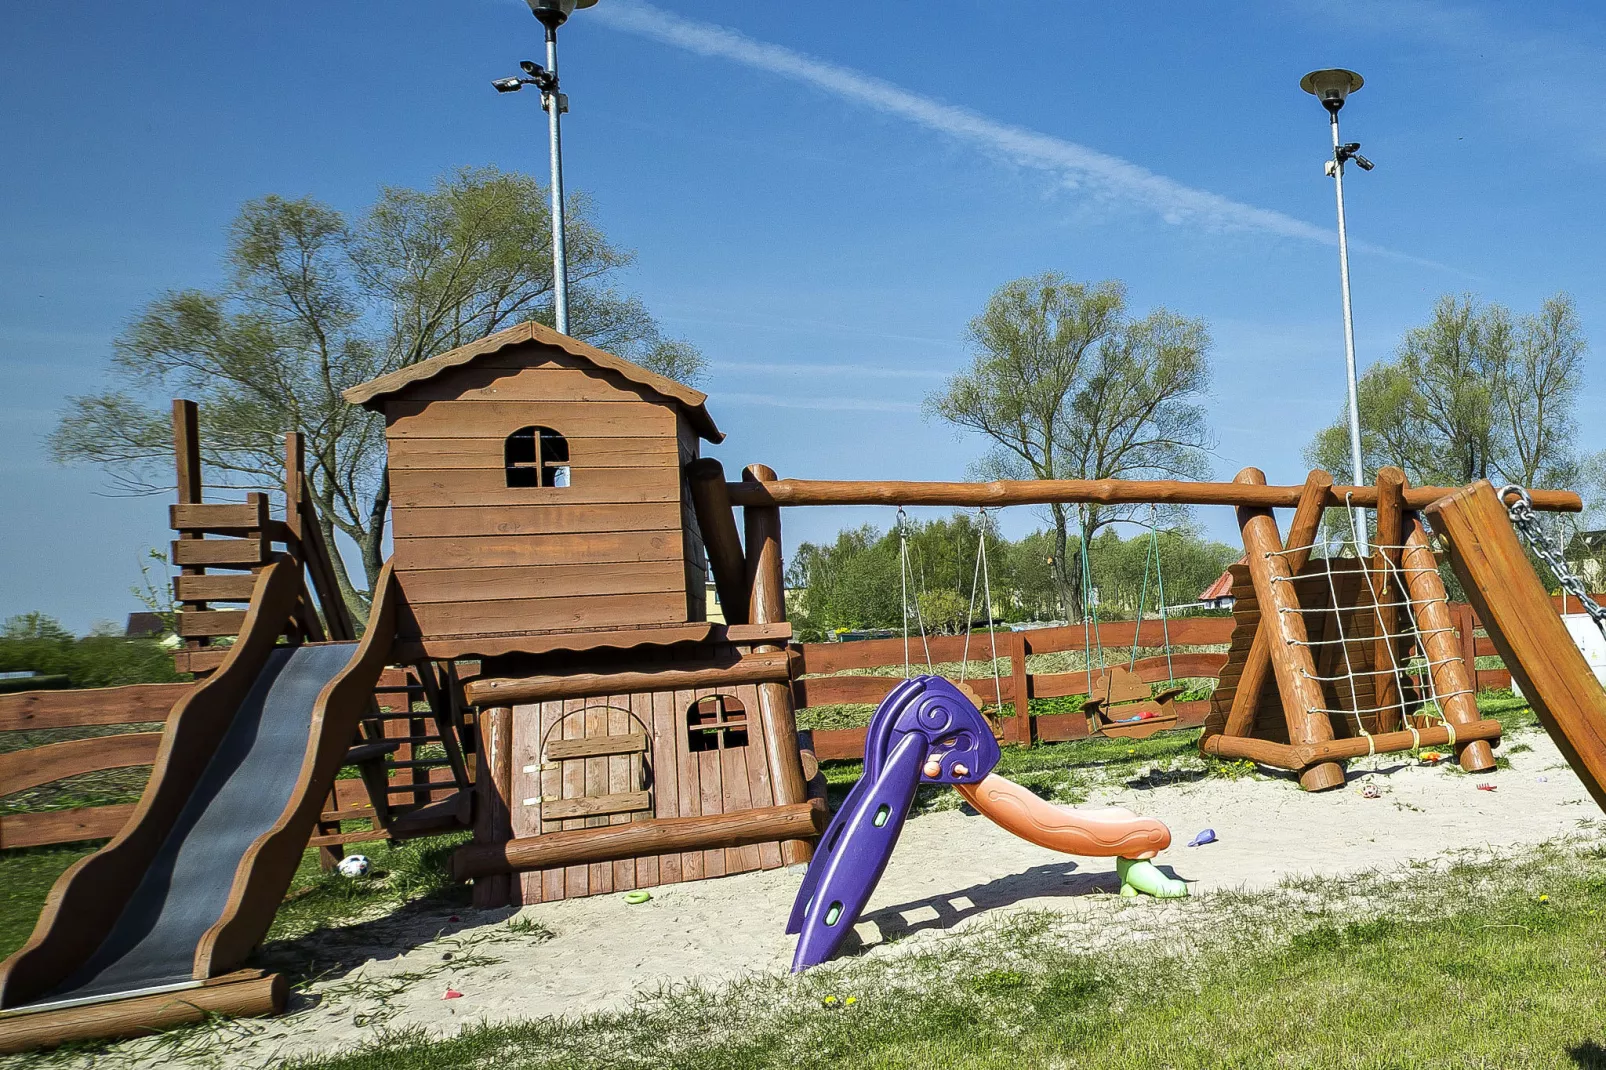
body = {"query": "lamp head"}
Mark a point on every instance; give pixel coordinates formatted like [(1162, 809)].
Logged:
[(506, 85), (554, 13), (1330, 86)]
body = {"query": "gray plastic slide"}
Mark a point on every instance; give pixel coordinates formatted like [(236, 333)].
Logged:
[(238, 797)]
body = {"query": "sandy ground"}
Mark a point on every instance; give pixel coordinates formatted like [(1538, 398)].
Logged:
[(949, 868)]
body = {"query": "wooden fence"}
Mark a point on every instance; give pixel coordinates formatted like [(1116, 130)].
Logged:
[(820, 668), (142, 704)]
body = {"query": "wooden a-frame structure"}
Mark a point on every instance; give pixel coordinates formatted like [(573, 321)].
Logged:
[(1320, 668)]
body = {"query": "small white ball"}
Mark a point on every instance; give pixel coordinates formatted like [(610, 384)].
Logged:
[(353, 866)]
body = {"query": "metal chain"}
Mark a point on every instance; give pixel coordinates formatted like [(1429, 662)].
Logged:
[(1520, 507)]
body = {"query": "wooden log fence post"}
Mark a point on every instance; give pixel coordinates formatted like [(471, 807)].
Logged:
[(1452, 677), (1021, 724), (766, 583), (1287, 647)]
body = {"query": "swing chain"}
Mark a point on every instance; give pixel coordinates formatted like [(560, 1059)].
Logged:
[(1520, 507)]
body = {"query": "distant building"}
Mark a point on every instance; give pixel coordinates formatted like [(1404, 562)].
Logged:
[(145, 626), (1586, 553), (1219, 594)]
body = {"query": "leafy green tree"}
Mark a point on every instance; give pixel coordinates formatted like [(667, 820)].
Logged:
[(1065, 385), (316, 302), (1472, 394), (33, 642)]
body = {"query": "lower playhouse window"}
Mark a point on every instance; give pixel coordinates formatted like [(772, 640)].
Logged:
[(717, 722)]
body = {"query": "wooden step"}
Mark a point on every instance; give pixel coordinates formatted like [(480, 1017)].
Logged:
[(223, 553)]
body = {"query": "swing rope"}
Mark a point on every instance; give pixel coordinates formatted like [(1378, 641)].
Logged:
[(905, 573), (1151, 557), (987, 587), (1090, 610)]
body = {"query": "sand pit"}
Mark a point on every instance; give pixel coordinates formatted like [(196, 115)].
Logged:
[(949, 868)]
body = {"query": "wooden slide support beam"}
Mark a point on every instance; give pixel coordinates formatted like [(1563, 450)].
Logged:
[(1302, 756), (766, 585), (1094, 491), (1257, 665), (747, 669), (1452, 677), (608, 843), (1526, 629), (1290, 657), (244, 994), (717, 521), (1385, 565)]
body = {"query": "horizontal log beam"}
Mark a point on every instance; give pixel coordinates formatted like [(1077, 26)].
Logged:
[(748, 669), (245, 994), (608, 843), (1296, 757), (1093, 491)]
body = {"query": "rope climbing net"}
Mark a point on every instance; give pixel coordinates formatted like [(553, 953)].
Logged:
[(1380, 656)]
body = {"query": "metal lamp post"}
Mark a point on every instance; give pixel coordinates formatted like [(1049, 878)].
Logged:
[(1331, 87), (552, 13)]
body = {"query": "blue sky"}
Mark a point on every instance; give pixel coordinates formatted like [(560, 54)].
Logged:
[(820, 206)]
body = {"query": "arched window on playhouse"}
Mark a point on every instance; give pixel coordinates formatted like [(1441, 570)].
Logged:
[(718, 722), (536, 457)]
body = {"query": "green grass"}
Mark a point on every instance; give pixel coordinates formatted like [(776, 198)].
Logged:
[(26, 875), (1468, 967)]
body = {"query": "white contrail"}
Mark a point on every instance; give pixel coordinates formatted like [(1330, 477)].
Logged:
[(1076, 165)]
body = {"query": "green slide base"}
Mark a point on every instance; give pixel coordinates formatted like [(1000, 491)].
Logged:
[(1138, 875)]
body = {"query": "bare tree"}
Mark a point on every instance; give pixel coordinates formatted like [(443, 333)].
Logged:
[(314, 304), (1066, 386)]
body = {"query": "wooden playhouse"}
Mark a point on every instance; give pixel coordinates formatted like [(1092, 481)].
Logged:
[(546, 526)]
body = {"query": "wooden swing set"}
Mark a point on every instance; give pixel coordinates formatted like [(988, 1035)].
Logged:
[(1340, 650)]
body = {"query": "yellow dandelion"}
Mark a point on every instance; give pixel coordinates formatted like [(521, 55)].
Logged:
[(851, 1000), (828, 1000)]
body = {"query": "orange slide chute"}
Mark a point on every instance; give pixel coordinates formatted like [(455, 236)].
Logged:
[(1110, 832)]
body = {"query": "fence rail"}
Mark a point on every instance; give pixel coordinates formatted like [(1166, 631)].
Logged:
[(35, 766)]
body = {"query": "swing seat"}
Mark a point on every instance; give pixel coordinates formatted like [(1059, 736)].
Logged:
[(1121, 705)]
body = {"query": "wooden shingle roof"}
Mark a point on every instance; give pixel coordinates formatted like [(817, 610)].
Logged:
[(690, 401)]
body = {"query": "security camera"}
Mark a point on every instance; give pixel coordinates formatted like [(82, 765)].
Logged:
[(533, 69), (1363, 163), (506, 85)]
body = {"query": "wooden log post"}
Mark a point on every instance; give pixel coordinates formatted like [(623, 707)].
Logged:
[(1452, 677), (493, 818), (1385, 593), (717, 520), (1525, 628), (187, 465), (306, 615), (1290, 656), (766, 583), (1257, 668), (1021, 730)]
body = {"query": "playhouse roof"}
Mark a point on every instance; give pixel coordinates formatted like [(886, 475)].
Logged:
[(690, 401)]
